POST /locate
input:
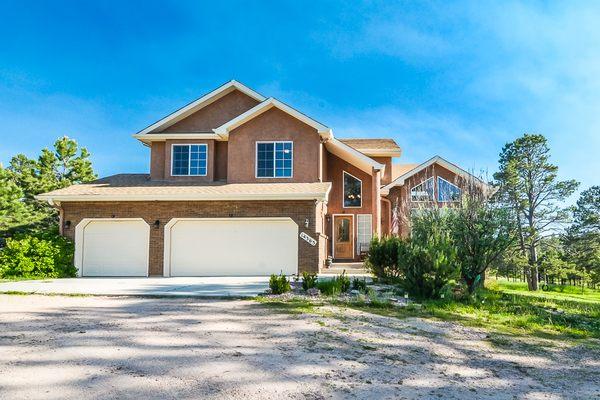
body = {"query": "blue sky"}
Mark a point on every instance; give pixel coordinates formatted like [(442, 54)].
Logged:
[(456, 80)]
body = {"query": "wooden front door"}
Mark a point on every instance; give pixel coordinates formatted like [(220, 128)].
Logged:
[(343, 236)]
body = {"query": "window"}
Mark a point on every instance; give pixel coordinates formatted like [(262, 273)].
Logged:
[(447, 191), (352, 191), (365, 231), (423, 191), (189, 159), (343, 234), (274, 159)]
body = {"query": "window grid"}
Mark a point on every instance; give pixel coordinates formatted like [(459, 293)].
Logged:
[(423, 191), (274, 159), (365, 230), (447, 192), (189, 160)]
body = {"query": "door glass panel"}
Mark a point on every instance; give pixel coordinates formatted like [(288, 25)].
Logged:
[(343, 235)]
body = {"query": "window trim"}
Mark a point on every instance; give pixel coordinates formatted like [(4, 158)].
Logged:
[(274, 151), (449, 183), (358, 242), (189, 152), (418, 184), (344, 190)]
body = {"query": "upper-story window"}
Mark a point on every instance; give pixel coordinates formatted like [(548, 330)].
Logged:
[(189, 160), (447, 192), (274, 159), (423, 191), (352, 191)]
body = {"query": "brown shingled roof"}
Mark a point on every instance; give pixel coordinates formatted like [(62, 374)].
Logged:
[(139, 187), (371, 144)]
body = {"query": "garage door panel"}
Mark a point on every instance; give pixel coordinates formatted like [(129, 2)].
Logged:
[(233, 247), (115, 248)]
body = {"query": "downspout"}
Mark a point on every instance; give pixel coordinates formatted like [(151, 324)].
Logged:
[(375, 201)]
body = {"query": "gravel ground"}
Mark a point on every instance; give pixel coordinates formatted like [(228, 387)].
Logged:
[(54, 347)]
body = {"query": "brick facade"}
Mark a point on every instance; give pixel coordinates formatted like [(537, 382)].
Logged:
[(310, 258)]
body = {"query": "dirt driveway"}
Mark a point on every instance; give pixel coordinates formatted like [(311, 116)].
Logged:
[(55, 347)]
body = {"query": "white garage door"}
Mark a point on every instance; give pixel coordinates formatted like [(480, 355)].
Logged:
[(231, 246), (112, 247)]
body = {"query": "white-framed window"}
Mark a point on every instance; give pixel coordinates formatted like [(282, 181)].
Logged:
[(423, 191), (364, 232), (274, 159), (447, 192), (352, 191), (189, 159)]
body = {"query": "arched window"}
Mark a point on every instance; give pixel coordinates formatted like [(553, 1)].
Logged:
[(423, 191), (447, 192)]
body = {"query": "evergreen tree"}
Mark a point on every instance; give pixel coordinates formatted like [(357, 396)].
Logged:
[(528, 184)]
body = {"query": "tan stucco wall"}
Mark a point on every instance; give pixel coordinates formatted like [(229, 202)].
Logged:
[(210, 165), (215, 114), (273, 124), (335, 168), (387, 175), (220, 160), (157, 161)]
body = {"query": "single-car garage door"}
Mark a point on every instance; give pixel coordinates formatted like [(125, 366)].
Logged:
[(112, 247), (231, 246)]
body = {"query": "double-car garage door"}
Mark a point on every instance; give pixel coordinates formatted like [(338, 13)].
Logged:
[(192, 247)]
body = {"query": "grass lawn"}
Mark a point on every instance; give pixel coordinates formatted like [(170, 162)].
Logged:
[(503, 307)]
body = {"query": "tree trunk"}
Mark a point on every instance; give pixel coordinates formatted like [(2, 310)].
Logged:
[(533, 269)]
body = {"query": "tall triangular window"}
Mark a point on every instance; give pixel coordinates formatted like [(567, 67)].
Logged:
[(423, 191), (447, 192)]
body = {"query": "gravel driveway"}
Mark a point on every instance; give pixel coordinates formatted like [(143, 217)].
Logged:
[(54, 347)]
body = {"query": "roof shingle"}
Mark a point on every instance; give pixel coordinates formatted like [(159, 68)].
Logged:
[(140, 187)]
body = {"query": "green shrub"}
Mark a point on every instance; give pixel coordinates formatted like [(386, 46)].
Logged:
[(43, 255), (309, 280), (382, 260), (431, 258), (359, 284), (343, 282), (334, 286), (279, 284)]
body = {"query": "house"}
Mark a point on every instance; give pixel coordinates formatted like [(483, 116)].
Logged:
[(241, 184)]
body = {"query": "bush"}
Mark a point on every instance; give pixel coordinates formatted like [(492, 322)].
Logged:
[(431, 256), (279, 284), (309, 280), (42, 255), (336, 285), (359, 284), (382, 260)]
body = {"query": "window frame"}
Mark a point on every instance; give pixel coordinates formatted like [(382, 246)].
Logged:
[(189, 158), (344, 190), (274, 159), (449, 183), (433, 195), (358, 220)]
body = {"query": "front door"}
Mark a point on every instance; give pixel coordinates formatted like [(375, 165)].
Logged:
[(343, 236)]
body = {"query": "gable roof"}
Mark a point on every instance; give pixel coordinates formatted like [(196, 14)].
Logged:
[(223, 130), (353, 156), (200, 103), (377, 147), (399, 181), (400, 169)]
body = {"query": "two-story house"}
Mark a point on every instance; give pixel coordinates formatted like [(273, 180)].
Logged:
[(241, 184)]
